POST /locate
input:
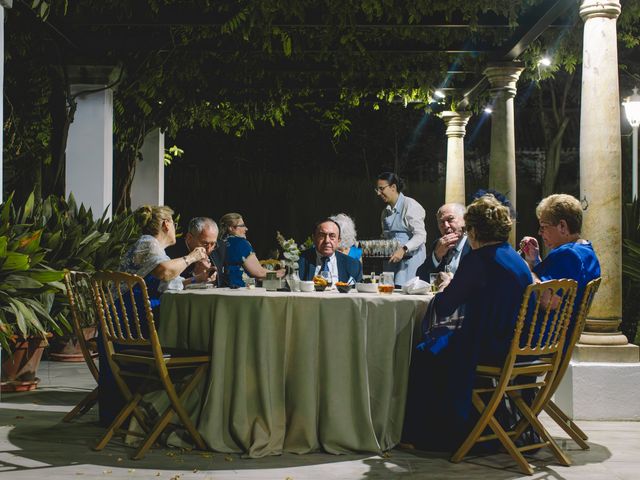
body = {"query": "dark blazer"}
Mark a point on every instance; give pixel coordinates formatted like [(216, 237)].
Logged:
[(216, 257), (347, 266), (428, 267)]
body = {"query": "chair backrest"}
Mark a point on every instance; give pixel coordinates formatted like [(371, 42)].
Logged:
[(83, 311), (124, 311), (580, 319), (543, 320)]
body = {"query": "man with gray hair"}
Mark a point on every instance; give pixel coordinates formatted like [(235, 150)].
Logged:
[(452, 245), (203, 232)]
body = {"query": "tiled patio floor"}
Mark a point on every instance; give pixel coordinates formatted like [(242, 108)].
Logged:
[(34, 444)]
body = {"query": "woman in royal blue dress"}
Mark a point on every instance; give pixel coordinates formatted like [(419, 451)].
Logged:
[(489, 282), (560, 220), (147, 259), (240, 257)]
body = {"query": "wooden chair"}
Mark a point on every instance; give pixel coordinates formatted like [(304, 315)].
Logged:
[(561, 418), (531, 365), (138, 361), (83, 313)]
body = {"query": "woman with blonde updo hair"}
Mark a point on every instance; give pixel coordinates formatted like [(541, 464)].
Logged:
[(489, 285), (148, 259)]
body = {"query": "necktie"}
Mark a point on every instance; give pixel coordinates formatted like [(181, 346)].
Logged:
[(448, 257), (325, 264)]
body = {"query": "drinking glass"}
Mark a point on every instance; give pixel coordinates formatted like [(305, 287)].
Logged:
[(327, 276), (386, 283), (433, 280)]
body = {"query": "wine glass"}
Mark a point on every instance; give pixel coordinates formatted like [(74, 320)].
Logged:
[(326, 274)]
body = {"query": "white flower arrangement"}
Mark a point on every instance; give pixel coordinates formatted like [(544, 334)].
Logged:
[(290, 251)]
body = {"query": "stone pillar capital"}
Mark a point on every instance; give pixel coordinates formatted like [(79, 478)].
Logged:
[(599, 8), (6, 3), (503, 77), (456, 123), (93, 74)]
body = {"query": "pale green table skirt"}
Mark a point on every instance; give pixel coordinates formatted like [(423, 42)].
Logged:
[(297, 372)]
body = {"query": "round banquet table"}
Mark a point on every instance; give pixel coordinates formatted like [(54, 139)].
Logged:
[(297, 372)]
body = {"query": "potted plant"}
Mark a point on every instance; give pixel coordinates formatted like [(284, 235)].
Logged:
[(27, 291)]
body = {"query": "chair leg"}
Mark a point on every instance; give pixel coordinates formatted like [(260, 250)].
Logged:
[(174, 407), (568, 425), (119, 420), (535, 423), (486, 414), (83, 407), (182, 413), (511, 448)]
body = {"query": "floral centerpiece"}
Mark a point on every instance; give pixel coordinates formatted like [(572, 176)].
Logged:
[(290, 252)]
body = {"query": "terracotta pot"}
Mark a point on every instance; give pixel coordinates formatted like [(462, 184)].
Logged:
[(19, 368), (67, 348)]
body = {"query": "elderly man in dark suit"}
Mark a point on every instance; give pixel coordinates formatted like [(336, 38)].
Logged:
[(202, 232), (324, 255), (451, 247)]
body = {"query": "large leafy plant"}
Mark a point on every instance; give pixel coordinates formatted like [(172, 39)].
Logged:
[(27, 286)]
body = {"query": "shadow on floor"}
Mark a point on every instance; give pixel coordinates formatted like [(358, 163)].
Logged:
[(38, 439)]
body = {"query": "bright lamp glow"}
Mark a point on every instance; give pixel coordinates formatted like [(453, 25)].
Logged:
[(632, 108), (544, 61), (439, 94), (488, 110)]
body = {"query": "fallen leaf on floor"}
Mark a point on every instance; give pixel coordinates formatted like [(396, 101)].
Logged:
[(228, 458), (158, 474), (206, 455), (119, 459), (107, 472), (195, 470), (170, 454), (177, 477), (131, 470)]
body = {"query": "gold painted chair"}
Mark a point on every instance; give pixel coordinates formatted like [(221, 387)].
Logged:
[(83, 313), (139, 363), (531, 365), (561, 418)]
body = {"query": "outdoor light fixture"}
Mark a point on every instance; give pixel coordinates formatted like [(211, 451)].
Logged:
[(488, 110), (439, 94), (632, 110), (544, 61)]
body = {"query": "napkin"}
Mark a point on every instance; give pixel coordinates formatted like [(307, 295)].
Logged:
[(415, 286)]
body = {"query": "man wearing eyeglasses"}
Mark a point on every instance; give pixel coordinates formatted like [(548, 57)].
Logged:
[(325, 257), (203, 232)]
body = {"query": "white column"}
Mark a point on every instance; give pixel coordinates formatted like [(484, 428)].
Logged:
[(456, 123), (3, 4), (600, 164), (147, 187), (89, 155), (602, 379), (502, 167)]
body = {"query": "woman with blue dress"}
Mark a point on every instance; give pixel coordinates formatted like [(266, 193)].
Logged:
[(240, 258), (147, 259), (560, 220), (490, 282), (348, 236), (402, 220)]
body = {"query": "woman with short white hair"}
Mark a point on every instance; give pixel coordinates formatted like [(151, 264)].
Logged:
[(348, 236)]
